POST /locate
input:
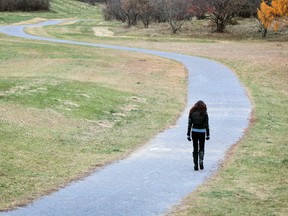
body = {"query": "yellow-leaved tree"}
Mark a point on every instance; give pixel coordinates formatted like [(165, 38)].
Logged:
[(274, 14)]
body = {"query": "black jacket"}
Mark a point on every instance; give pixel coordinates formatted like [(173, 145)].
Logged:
[(199, 121)]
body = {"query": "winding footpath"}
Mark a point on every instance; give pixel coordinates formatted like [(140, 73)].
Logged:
[(159, 175)]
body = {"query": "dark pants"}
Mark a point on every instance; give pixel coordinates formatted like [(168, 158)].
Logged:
[(198, 141), (198, 149)]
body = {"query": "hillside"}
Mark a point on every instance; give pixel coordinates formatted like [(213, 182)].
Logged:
[(59, 9)]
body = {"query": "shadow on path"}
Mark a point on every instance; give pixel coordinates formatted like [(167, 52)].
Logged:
[(160, 174)]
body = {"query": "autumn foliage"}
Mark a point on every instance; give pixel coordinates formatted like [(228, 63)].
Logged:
[(273, 14)]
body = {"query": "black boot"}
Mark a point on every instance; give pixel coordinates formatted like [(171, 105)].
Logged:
[(201, 159), (195, 158)]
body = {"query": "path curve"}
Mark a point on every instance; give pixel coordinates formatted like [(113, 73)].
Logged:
[(160, 174)]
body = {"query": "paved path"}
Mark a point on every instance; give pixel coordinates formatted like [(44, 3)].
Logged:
[(160, 174)]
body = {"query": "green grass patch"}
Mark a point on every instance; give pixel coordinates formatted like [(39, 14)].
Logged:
[(77, 99)]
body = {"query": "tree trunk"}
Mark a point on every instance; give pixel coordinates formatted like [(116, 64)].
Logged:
[(220, 26), (264, 32)]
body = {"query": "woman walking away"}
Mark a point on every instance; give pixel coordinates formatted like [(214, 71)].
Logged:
[(199, 122)]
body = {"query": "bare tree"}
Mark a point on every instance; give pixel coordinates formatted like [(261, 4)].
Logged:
[(175, 12), (131, 9), (249, 9), (158, 10), (223, 10), (198, 8), (147, 12), (114, 10)]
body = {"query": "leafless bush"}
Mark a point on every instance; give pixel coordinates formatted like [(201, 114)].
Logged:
[(114, 10), (249, 9), (198, 8), (222, 11), (24, 5), (175, 12)]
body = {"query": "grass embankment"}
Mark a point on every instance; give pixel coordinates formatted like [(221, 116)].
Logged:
[(66, 110), (60, 9)]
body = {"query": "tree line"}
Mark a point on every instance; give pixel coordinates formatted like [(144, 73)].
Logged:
[(176, 12), (24, 5)]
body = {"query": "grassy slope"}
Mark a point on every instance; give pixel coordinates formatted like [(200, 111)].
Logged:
[(66, 110), (59, 9)]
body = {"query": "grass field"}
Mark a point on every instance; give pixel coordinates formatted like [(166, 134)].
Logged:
[(34, 110), (67, 110)]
